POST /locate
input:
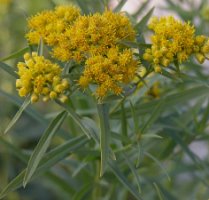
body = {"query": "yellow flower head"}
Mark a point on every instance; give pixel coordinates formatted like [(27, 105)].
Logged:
[(94, 34), (50, 25), (109, 72), (40, 77), (172, 39), (201, 48)]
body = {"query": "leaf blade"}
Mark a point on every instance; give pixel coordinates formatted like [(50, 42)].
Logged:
[(49, 160), (77, 119), (104, 135), (15, 54), (42, 146), (115, 169), (154, 115), (18, 114), (120, 6), (8, 69), (143, 22)]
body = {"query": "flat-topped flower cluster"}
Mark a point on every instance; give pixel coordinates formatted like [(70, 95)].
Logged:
[(174, 40), (92, 40), (94, 43)]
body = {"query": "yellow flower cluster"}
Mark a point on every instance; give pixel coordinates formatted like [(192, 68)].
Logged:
[(93, 35), (201, 48), (109, 72), (173, 40), (51, 25), (92, 40), (40, 77)]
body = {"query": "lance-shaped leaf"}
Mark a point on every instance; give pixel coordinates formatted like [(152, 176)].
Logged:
[(120, 6), (49, 160), (42, 146), (140, 26), (18, 114), (122, 178), (40, 49), (104, 135), (16, 54), (8, 69), (76, 118)]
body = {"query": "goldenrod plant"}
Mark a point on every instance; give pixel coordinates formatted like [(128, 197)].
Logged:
[(111, 104)]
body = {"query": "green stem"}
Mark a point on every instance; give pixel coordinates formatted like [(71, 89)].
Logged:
[(104, 135)]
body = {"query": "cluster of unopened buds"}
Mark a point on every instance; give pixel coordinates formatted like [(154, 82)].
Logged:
[(40, 77), (172, 41), (201, 48)]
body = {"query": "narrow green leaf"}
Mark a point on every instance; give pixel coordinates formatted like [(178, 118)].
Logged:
[(135, 44), (13, 185), (142, 7), (18, 114), (92, 127), (158, 163), (169, 101), (135, 118), (203, 122), (169, 75), (82, 193), (140, 26), (30, 111), (89, 134), (61, 183), (151, 136), (139, 153), (116, 170), (168, 149), (124, 148), (176, 63), (8, 69), (184, 146), (134, 172), (154, 115), (76, 118), (124, 128), (183, 13), (49, 160), (78, 169), (13, 150), (120, 137), (120, 6), (16, 54), (60, 152), (104, 135), (105, 3), (167, 193), (40, 49), (158, 192), (42, 146), (83, 6), (67, 67), (111, 98)]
